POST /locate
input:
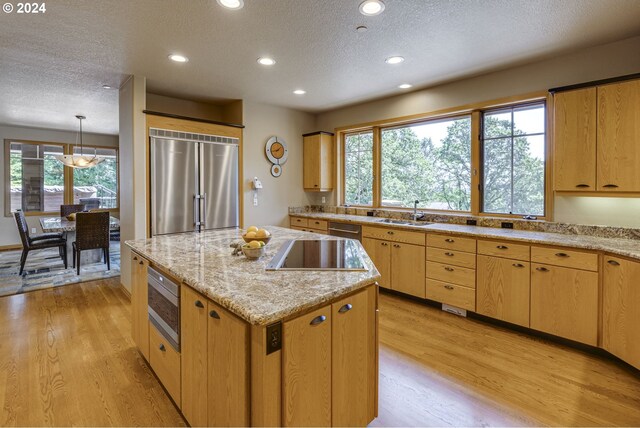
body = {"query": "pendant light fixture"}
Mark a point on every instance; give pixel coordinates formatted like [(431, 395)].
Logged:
[(80, 161)]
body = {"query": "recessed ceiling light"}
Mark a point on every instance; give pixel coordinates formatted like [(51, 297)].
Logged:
[(405, 86), (266, 61), (178, 58), (394, 60), (299, 92), (231, 4), (106, 87), (371, 7)]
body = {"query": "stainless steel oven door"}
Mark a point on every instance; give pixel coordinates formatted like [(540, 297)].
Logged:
[(164, 306)]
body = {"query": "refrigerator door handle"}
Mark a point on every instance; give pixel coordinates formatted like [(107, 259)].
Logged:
[(196, 209), (204, 209)]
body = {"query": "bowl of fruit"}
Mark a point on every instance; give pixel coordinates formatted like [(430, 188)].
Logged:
[(255, 234), (253, 250)]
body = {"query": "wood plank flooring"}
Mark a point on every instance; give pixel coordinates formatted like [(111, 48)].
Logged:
[(66, 358)]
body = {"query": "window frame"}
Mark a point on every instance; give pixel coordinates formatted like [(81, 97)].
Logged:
[(67, 175), (475, 111), (343, 175)]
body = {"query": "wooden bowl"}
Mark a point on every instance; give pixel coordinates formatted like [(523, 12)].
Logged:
[(253, 253), (265, 240)]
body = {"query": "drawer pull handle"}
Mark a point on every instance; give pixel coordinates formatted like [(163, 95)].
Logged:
[(317, 222), (542, 269), (162, 348), (384, 244), (562, 255), (449, 240), (345, 308), (582, 186), (449, 287), (613, 263), (396, 245), (318, 320), (389, 232), (518, 265), (610, 186), (199, 304), (135, 258), (449, 254), (141, 262), (214, 314), (502, 247), (449, 269)]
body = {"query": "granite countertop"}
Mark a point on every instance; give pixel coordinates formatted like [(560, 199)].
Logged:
[(618, 246), (62, 224), (204, 262)]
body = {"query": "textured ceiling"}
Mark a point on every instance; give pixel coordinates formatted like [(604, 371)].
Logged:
[(52, 65)]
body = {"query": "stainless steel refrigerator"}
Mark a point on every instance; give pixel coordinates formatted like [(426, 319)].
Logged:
[(194, 183)]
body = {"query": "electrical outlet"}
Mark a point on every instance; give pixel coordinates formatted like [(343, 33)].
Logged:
[(324, 200), (507, 225), (255, 199), (472, 222), (33, 230)]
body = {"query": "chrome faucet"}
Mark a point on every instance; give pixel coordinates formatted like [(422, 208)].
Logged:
[(417, 217)]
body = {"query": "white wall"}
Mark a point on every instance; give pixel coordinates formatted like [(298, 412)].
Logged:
[(261, 122), (8, 231), (611, 60)]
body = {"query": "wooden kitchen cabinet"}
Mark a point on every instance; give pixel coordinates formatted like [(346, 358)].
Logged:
[(306, 377), (139, 304), (564, 302), (215, 363), (318, 162), (574, 137), (618, 161), (165, 362), (503, 288), (621, 309), (408, 269), (380, 254)]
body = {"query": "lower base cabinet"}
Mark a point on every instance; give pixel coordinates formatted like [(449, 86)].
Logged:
[(380, 254), (564, 302), (621, 309), (165, 362), (503, 289), (451, 294)]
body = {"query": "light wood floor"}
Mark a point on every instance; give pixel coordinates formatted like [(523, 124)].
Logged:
[(66, 358)]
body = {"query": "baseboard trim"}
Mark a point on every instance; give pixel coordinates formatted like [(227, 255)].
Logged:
[(124, 289), (10, 247)]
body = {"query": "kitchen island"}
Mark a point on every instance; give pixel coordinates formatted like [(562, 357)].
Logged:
[(257, 347)]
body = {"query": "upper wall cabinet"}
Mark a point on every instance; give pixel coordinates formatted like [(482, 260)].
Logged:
[(619, 137), (318, 162), (597, 138), (574, 119)]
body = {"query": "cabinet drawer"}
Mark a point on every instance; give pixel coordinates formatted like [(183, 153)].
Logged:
[(298, 221), (165, 362), (508, 250), (457, 258), (416, 238), (451, 274), (565, 258), (451, 242), (451, 294), (317, 224)]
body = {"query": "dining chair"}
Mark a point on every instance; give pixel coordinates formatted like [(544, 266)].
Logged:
[(65, 210), (38, 242), (92, 233)]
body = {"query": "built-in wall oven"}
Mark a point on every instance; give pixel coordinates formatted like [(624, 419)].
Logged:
[(164, 306)]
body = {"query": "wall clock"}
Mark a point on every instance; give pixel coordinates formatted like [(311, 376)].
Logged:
[(276, 150)]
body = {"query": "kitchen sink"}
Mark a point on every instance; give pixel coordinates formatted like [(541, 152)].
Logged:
[(403, 222)]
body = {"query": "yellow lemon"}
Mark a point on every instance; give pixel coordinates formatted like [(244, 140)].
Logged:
[(252, 229), (251, 234), (255, 244), (262, 233)]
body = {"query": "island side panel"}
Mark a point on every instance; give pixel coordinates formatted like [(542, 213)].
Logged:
[(266, 381)]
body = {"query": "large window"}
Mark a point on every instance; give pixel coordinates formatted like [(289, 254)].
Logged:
[(513, 142), (428, 162), (358, 176), (36, 179)]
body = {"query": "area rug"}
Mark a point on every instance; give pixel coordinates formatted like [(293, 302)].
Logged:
[(44, 269)]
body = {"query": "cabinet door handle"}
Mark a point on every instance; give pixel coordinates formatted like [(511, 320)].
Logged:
[(141, 262), (384, 244), (449, 287), (214, 314), (318, 320), (610, 186), (135, 258), (162, 348), (199, 304), (582, 186), (389, 232), (502, 247), (449, 269), (562, 255), (449, 254), (396, 245), (345, 308), (542, 269), (518, 265), (449, 240), (613, 263)]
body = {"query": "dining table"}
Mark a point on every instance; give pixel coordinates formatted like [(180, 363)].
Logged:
[(68, 227)]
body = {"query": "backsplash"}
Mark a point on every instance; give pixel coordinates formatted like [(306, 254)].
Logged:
[(518, 224)]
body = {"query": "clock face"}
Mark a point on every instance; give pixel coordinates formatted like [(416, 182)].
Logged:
[(276, 150)]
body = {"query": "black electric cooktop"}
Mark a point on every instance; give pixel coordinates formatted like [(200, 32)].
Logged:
[(315, 254)]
